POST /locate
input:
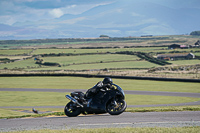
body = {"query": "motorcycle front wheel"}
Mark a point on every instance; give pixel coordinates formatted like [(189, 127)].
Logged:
[(116, 107), (71, 110)]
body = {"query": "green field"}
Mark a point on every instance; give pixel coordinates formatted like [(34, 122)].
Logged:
[(66, 60), (58, 99), (84, 62), (112, 50), (87, 62), (128, 64), (93, 59), (96, 66), (24, 64), (14, 57), (15, 51), (86, 83), (185, 62)]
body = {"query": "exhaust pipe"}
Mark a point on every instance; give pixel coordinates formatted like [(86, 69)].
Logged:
[(73, 100)]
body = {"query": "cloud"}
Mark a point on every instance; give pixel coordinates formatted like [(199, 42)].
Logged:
[(6, 19), (73, 21), (56, 12), (13, 11), (136, 14)]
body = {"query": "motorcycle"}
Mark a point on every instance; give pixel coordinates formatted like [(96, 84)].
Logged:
[(109, 100)]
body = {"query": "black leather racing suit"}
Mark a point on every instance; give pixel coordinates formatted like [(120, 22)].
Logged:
[(95, 89)]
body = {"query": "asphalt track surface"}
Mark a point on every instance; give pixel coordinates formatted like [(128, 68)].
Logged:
[(126, 119)]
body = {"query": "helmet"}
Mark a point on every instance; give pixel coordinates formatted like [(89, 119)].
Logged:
[(107, 80)]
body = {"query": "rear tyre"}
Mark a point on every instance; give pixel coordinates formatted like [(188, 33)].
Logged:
[(71, 110), (116, 107)]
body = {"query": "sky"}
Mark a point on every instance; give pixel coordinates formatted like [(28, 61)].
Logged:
[(38, 19), (12, 11)]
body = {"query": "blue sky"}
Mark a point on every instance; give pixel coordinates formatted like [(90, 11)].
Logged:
[(33, 19), (12, 11)]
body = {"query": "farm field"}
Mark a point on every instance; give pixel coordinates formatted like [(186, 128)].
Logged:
[(15, 52), (81, 51), (67, 60), (23, 64), (35, 51), (14, 57), (185, 62), (86, 83), (96, 66), (119, 56)]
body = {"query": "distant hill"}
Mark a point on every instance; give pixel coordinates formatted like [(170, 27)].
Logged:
[(118, 19)]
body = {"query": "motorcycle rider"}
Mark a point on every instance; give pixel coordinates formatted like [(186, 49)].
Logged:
[(106, 83)]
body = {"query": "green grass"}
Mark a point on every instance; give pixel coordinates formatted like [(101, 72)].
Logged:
[(24, 64), (98, 62), (153, 100), (14, 57), (105, 59), (86, 83), (13, 113), (8, 98), (15, 51), (185, 62), (164, 109), (111, 65), (112, 50), (128, 64), (81, 51), (24, 98), (32, 99), (24, 112), (120, 130), (197, 54), (66, 60), (71, 51)]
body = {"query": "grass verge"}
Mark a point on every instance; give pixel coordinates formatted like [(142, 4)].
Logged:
[(164, 109), (133, 110), (119, 130)]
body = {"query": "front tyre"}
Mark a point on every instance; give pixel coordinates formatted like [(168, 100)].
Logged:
[(116, 107), (71, 110)]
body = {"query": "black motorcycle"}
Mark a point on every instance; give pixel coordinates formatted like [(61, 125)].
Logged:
[(110, 101)]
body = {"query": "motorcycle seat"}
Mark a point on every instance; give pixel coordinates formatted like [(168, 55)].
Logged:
[(78, 94)]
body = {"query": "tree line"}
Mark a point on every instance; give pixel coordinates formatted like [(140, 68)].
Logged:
[(68, 40), (195, 33)]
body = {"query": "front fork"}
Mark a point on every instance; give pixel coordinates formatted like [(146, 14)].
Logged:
[(114, 102)]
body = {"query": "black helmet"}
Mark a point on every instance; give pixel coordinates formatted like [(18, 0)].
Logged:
[(107, 80)]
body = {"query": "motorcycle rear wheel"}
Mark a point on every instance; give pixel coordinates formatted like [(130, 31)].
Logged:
[(71, 110), (116, 109)]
